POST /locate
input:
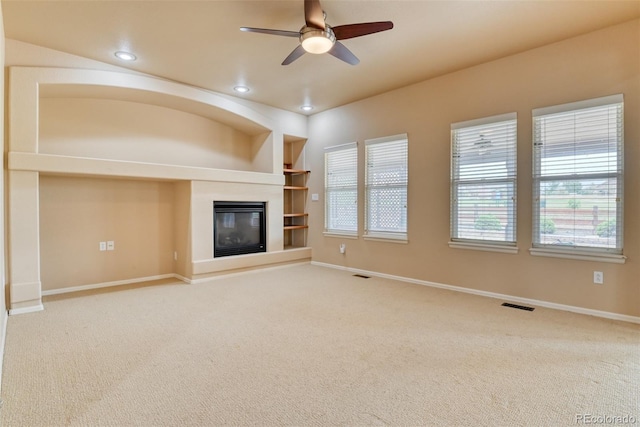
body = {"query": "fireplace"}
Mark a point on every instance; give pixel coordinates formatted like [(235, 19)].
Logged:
[(238, 228)]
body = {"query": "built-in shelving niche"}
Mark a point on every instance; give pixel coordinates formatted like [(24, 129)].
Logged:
[(296, 218)]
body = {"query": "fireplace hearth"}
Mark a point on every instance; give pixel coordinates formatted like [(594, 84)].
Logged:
[(238, 228)]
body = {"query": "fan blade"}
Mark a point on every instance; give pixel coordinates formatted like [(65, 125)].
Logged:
[(341, 52), (356, 30), (297, 53), (272, 32), (313, 14)]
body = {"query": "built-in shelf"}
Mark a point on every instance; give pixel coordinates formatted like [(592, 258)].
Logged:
[(295, 217), (295, 227), (294, 171)]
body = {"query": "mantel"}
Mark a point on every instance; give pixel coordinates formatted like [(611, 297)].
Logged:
[(82, 166)]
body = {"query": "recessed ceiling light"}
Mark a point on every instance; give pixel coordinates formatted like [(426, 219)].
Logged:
[(125, 56), (306, 107), (241, 89)]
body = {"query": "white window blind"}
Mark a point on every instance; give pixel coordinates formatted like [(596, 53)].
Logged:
[(386, 180), (341, 189), (578, 176), (483, 180)]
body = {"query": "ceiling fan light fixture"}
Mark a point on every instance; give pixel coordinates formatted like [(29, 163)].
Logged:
[(317, 41)]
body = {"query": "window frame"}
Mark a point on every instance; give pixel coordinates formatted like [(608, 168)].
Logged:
[(580, 252), (510, 121), (347, 150), (371, 233)]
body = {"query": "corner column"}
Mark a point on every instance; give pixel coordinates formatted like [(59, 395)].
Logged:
[(23, 236), (24, 243)]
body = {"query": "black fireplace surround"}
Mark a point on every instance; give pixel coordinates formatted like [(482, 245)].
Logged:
[(238, 228)]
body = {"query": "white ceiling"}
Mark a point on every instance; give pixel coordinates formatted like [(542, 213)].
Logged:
[(199, 42)]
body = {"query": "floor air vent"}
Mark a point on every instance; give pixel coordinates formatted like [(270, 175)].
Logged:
[(362, 276), (519, 307)]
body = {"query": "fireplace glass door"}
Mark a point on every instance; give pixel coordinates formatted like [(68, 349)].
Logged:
[(238, 228)]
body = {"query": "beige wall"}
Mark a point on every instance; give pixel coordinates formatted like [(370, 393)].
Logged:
[(594, 65), (78, 213), (3, 303), (121, 130)]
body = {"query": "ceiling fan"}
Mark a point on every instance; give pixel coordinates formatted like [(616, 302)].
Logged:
[(316, 36)]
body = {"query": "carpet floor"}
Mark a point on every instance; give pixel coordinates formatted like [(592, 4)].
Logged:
[(307, 345)]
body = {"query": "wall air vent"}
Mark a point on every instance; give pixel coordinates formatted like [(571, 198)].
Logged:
[(519, 307)]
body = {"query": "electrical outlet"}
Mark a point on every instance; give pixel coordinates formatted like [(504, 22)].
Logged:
[(110, 245), (175, 255), (315, 197), (598, 277), (343, 248), (103, 246)]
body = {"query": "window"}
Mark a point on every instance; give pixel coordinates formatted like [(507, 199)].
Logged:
[(341, 189), (578, 177), (386, 178), (483, 183)]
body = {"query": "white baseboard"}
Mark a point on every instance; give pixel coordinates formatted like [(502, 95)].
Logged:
[(150, 278), (182, 278), (110, 284), (3, 340), (25, 310), (528, 301)]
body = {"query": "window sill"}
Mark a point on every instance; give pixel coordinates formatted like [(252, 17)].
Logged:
[(340, 235), (505, 249), (390, 238), (577, 255)]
